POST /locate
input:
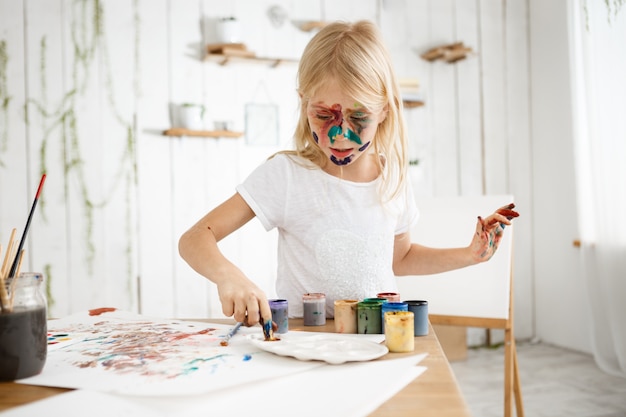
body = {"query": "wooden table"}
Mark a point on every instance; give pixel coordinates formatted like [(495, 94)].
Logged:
[(434, 393)]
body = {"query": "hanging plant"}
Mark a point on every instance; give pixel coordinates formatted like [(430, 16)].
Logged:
[(5, 99), (613, 7), (60, 122)]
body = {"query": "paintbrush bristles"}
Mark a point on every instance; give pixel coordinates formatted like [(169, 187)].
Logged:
[(14, 280), (3, 290), (5, 302), (8, 255)]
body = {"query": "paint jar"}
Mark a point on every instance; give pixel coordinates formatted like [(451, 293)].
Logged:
[(345, 316), (399, 335), (314, 307), (369, 317), (391, 306), (376, 299), (23, 327), (389, 296), (280, 314), (228, 30), (420, 311)]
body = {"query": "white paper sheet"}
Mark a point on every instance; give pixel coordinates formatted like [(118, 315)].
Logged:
[(129, 365), (348, 390), (126, 353)]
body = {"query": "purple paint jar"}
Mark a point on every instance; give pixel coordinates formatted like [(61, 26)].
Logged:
[(314, 308), (280, 314)]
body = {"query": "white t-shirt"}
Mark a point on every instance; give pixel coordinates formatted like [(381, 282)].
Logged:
[(335, 236)]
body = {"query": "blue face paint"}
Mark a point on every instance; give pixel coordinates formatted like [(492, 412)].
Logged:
[(353, 137), (364, 147), (341, 162), (350, 135), (317, 140)]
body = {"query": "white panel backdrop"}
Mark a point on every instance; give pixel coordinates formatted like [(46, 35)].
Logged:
[(99, 86)]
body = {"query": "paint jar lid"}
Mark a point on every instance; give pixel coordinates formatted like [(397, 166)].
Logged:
[(311, 296), (345, 302), (376, 300), (395, 305), (417, 302)]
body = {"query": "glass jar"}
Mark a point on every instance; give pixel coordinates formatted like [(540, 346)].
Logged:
[(23, 327)]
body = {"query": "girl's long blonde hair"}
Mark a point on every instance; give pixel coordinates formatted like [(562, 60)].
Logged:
[(354, 55)]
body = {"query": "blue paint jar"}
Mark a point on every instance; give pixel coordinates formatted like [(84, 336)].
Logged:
[(420, 316), (392, 306), (280, 314)]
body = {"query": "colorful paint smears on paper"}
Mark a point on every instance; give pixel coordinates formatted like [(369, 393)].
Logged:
[(127, 353)]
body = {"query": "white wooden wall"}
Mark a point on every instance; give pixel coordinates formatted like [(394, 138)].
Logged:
[(472, 136)]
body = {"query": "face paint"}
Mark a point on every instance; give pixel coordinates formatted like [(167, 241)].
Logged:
[(349, 134), (342, 127)]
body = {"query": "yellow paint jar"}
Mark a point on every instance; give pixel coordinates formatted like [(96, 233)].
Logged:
[(399, 331)]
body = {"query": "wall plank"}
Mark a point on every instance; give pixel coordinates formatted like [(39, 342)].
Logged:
[(49, 238), (156, 248), (14, 187), (493, 67)]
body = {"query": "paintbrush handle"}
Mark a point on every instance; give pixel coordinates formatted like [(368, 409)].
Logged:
[(233, 330), (30, 217), (231, 334)]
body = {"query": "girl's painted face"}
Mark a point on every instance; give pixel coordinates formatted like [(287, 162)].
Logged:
[(343, 128)]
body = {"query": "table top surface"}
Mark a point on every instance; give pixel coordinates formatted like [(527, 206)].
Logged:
[(434, 393)]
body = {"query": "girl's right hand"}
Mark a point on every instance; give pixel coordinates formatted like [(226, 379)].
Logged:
[(242, 299)]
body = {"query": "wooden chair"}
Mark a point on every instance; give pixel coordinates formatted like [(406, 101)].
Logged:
[(476, 296)]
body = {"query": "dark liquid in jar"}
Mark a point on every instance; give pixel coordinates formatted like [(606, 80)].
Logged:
[(23, 343)]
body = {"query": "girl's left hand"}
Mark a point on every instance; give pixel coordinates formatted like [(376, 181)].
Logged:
[(489, 232)]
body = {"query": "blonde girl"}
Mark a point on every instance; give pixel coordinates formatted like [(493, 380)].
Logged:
[(340, 200)]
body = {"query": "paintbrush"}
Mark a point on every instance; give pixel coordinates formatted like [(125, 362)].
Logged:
[(30, 217), (268, 330), (231, 334)]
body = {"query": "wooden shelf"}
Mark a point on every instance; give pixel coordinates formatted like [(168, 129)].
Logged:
[(308, 25), (224, 59), (411, 104), (178, 131)]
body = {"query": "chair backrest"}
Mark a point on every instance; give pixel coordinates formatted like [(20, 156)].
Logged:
[(478, 291)]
